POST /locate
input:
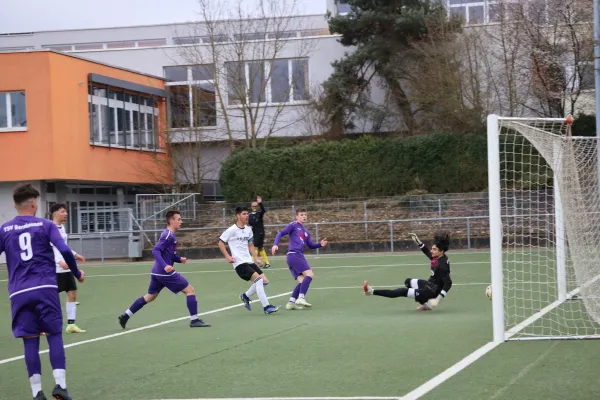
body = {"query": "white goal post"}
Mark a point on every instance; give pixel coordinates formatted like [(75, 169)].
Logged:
[(544, 213)]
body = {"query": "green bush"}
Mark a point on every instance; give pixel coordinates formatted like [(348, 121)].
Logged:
[(369, 166)]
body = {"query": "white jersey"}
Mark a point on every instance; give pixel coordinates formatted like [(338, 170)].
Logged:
[(238, 238), (57, 256)]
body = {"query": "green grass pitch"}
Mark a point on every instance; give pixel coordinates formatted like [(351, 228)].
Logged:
[(347, 345)]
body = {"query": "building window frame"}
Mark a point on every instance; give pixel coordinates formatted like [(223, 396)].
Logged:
[(268, 89), (194, 86), (123, 119), (9, 112)]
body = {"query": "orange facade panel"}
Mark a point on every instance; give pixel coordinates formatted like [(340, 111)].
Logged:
[(57, 141)]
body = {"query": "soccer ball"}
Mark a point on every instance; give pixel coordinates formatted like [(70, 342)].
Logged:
[(488, 292)]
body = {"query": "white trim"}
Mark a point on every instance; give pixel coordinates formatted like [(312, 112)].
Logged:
[(33, 288), (174, 272), (15, 129)]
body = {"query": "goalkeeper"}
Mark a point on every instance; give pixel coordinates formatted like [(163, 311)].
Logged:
[(428, 293), (255, 220)]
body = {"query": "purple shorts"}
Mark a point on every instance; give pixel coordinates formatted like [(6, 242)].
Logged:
[(175, 283), (36, 311), (297, 264)]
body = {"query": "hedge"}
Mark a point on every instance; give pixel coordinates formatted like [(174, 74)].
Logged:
[(436, 163)]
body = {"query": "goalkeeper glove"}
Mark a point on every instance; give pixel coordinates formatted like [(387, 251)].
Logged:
[(415, 239), (436, 302)]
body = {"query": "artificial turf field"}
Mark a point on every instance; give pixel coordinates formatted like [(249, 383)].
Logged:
[(348, 345)]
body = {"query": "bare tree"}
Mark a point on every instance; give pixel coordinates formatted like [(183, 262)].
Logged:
[(260, 66), (540, 55)]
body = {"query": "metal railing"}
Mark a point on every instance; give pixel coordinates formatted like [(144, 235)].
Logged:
[(387, 233)]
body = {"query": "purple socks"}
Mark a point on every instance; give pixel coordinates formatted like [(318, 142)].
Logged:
[(192, 306), (304, 285), (32, 355)]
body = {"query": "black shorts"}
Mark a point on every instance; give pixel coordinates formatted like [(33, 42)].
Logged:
[(66, 282), (259, 240), (246, 270)]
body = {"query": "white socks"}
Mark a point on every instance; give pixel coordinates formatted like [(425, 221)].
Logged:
[(252, 291), (60, 376), (71, 310), (36, 383), (260, 290)]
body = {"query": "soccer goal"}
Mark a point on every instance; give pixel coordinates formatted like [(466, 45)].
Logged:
[(544, 230)]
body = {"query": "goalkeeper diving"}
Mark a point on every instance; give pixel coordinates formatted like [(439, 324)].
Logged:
[(428, 293)]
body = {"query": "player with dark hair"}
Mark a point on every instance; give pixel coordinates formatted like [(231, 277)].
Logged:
[(255, 220), (164, 275), (428, 293), (32, 288), (64, 277), (297, 264), (245, 259)]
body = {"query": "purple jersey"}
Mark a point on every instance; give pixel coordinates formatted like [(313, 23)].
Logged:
[(299, 236), (164, 253), (29, 255)]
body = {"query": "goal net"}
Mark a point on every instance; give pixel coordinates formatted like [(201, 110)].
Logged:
[(544, 230)]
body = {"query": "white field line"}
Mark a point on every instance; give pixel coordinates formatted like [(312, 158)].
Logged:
[(230, 270), (143, 328)]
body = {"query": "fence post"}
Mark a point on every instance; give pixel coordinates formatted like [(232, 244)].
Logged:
[(293, 211), (468, 233), (366, 225), (224, 216), (81, 243), (317, 236), (391, 236), (101, 247)]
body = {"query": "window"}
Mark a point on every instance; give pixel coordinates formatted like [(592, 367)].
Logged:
[(59, 47), (186, 40), (192, 101), (120, 45), (277, 81), (13, 116), (120, 119), (89, 46), (152, 42)]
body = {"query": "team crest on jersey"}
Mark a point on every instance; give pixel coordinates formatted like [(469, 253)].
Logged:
[(434, 263)]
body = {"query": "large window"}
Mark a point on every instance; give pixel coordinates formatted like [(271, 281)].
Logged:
[(13, 116), (192, 101), (287, 81), (122, 119)]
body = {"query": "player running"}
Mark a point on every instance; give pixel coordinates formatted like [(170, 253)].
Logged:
[(299, 268), (428, 293), (64, 277), (164, 275), (239, 238), (32, 288)]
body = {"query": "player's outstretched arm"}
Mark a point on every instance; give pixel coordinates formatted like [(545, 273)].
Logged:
[(421, 245), (280, 235), (65, 251), (312, 245)]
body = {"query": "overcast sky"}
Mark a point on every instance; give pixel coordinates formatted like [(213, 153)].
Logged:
[(41, 15)]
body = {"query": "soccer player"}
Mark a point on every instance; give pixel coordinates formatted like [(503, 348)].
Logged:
[(239, 238), (428, 293), (164, 275), (255, 220), (299, 268), (32, 287), (64, 277)]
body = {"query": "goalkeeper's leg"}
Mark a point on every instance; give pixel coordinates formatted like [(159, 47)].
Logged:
[(393, 293)]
